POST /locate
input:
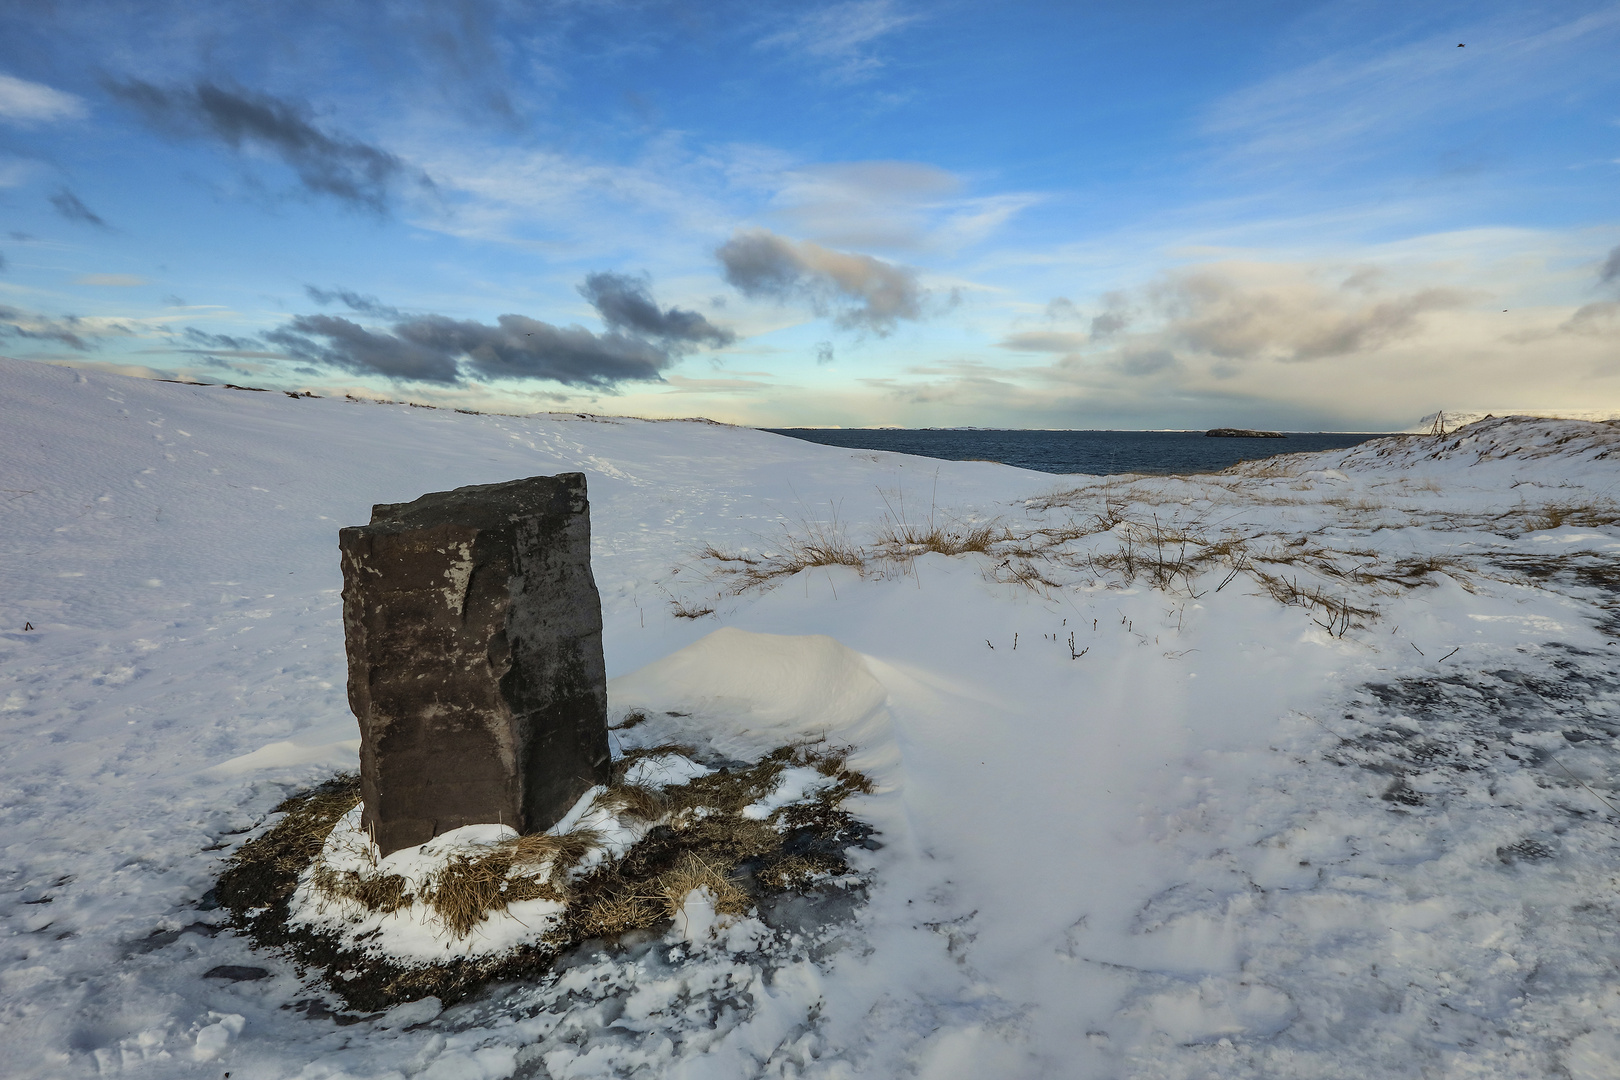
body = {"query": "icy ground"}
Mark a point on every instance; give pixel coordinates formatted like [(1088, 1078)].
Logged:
[(1243, 833)]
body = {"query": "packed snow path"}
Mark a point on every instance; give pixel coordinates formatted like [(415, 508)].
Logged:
[(1234, 837)]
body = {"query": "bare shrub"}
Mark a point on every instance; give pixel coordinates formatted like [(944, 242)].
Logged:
[(682, 609)]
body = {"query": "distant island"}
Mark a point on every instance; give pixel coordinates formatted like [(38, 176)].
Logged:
[(1241, 433)]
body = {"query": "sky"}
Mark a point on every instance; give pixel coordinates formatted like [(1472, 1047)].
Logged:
[(1337, 216)]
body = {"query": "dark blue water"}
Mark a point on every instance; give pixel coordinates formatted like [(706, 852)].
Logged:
[(1095, 452)]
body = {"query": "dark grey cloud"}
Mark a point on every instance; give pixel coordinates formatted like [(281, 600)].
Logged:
[(1611, 268), (865, 293), (21, 237), (1141, 362), (2, 261), (338, 342), (221, 342), (642, 340), (1108, 324), (69, 330), (824, 352), (171, 300), (326, 163), (1600, 319), (625, 303), (435, 348), (71, 207), (366, 305)]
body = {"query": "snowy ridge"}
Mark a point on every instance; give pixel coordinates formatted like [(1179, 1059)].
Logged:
[(1218, 832), (1451, 421), (1504, 438)]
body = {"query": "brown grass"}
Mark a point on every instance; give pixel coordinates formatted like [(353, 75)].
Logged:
[(823, 544), (900, 541), (703, 842), (465, 892), (703, 838), (377, 892), (1555, 515), (635, 801), (1169, 554), (682, 609), (631, 719), (265, 870)]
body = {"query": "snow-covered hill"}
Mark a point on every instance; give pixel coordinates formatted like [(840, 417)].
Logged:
[(1305, 769)]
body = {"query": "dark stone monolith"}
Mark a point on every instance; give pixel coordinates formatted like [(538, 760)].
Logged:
[(474, 635)]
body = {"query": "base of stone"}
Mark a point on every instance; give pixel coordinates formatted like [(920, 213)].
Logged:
[(675, 850)]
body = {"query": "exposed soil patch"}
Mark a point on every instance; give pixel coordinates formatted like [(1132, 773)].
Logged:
[(1589, 577), (1428, 735)]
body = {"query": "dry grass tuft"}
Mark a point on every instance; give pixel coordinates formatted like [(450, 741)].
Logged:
[(1102, 540), (899, 541), (265, 871), (691, 874), (636, 801), (1555, 515), (377, 892), (467, 890), (824, 544), (562, 850), (631, 719)]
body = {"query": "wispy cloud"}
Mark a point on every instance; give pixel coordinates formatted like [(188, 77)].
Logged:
[(215, 342), (841, 37), (864, 293), (1048, 341), (1342, 103), (72, 207), (1610, 272), (27, 103), (326, 163), (891, 204), (121, 281), (360, 302), (76, 332), (1598, 319)]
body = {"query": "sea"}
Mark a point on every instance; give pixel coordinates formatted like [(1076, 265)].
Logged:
[(1099, 453)]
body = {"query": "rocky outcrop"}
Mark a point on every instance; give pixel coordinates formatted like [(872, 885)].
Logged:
[(1242, 433), (474, 633)]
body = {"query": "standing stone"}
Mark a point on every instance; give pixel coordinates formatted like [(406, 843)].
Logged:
[(474, 634)]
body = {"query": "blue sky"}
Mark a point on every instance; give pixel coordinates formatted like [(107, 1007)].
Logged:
[(870, 212)]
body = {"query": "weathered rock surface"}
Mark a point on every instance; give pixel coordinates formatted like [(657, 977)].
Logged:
[(474, 634)]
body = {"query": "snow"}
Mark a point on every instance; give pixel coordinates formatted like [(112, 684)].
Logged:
[(1226, 841), (664, 770), (412, 932)]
